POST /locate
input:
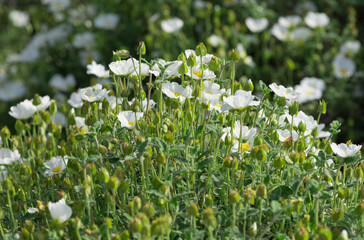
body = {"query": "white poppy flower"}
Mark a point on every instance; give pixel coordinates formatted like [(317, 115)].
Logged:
[(247, 133), (215, 40), (90, 95), (350, 47), (32, 210), (144, 69), (23, 110), (106, 21), (80, 123), (12, 90), (313, 82), (256, 25), (62, 83), (197, 73), (60, 210), (98, 70), (176, 91), (75, 100), (286, 134), (171, 69), (8, 157), (241, 100), (344, 150), (282, 91), (307, 93), (129, 118), (289, 21), (172, 25), (343, 67), (123, 67), (55, 165), (314, 20), (18, 18), (281, 33), (301, 34), (45, 103)]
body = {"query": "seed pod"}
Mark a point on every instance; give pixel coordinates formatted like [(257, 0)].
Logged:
[(149, 210), (192, 210), (234, 196), (261, 190)]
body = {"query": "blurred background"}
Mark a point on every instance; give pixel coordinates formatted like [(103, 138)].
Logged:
[(46, 45)]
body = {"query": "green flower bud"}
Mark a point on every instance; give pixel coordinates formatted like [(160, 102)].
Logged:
[(209, 218), (113, 183), (103, 175), (234, 196), (192, 210), (302, 127), (261, 155), (227, 162), (201, 50), (322, 107), (5, 133), (120, 54), (149, 210), (126, 148), (135, 225), (360, 209), (293, 108), (161, 158), (359, 173), (249, 195), (53, 107), (261, 190), (141, 48), (181, 57), (324, 233), (25, 234), (234, 55), (191, 60), (125, 235), (278, 163), (124, 187), (258, 140), (252, 231), (183, 69), (36, 100), (137, 202), (337, 215), (301, 233), (214, 64), (248, 85), (45, 116)]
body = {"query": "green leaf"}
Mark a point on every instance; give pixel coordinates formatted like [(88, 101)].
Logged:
[(286, 191), (313, 186), (276, 206), (142, 146)]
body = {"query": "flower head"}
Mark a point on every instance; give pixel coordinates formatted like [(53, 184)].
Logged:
[(241, 100), (8, 157), (314, 20), (106, 21), (90, 95), (172, 25), (176, 91), (343, 67), (289, 21), (123, 67), (344, 150), (60, 210), (62, 83), (18, 18), (350, 48), (97, 69), (55, 165), (128, 119), (256, 25), (285, 134), (282, 91), (23, 110)]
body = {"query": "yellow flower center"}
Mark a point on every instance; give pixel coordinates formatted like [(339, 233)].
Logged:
[(343, 70), (209, 93), (308, 93), (57, 169), (245, 147), (197, 73), (131, 123), (176, 94), (218, 105), (89, 97)]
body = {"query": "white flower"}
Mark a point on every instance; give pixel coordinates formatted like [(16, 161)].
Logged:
[(18, 18), (280, 32), (55, 165), (123, 67), (307, 93), (344, 235), (62, 83), (304, 7), (57, 5), (215, 40), (350, 48), (286, 134), (75, 100), (90, 95), (344, 150), (321, 133), (144, 69), (282, 91), (106, 21), (84, 40), (343, 67), (45, 103), (176, 91), (172, 25), (241, 100), (32, 210), (8, 157), (145, 103), (60, 119), (256, 24), (246, 132), (88, 55), (301, 34), (314, 20), (60, 210), (155, 70), (129, 118), (11, 90), (23, 110), (313, 82), (97, 69), (171, 69), (197, 73), (289, 21), (80, 123)]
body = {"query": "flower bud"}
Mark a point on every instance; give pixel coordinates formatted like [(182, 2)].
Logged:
[(149, 210), (183, 69), (249, 195), (201, 50), (227, 162), (103, 175), (248, 85), (53, 107), (360, 209), (234, 55), (135, 225), (234, 196), (261, 190), (191, 60), (301, 233), (181, 57), (113, 183), (337, 215), (141, 48), (278, 163), (161, 158), (359, 173), (120, 54), (209, 218), (126, 148), (252, 231), (214, 64), (192, 210), (36, 100), (5, 133), (322, 107), (124, 187), (302, 126), (293, 108)]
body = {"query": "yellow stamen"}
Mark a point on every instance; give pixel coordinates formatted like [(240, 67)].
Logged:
[(197, 73), (245, 147), (308, 93), (57, 169), (343, 70), (209, 93), (131, 123), (176, 94), (218, 105)]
